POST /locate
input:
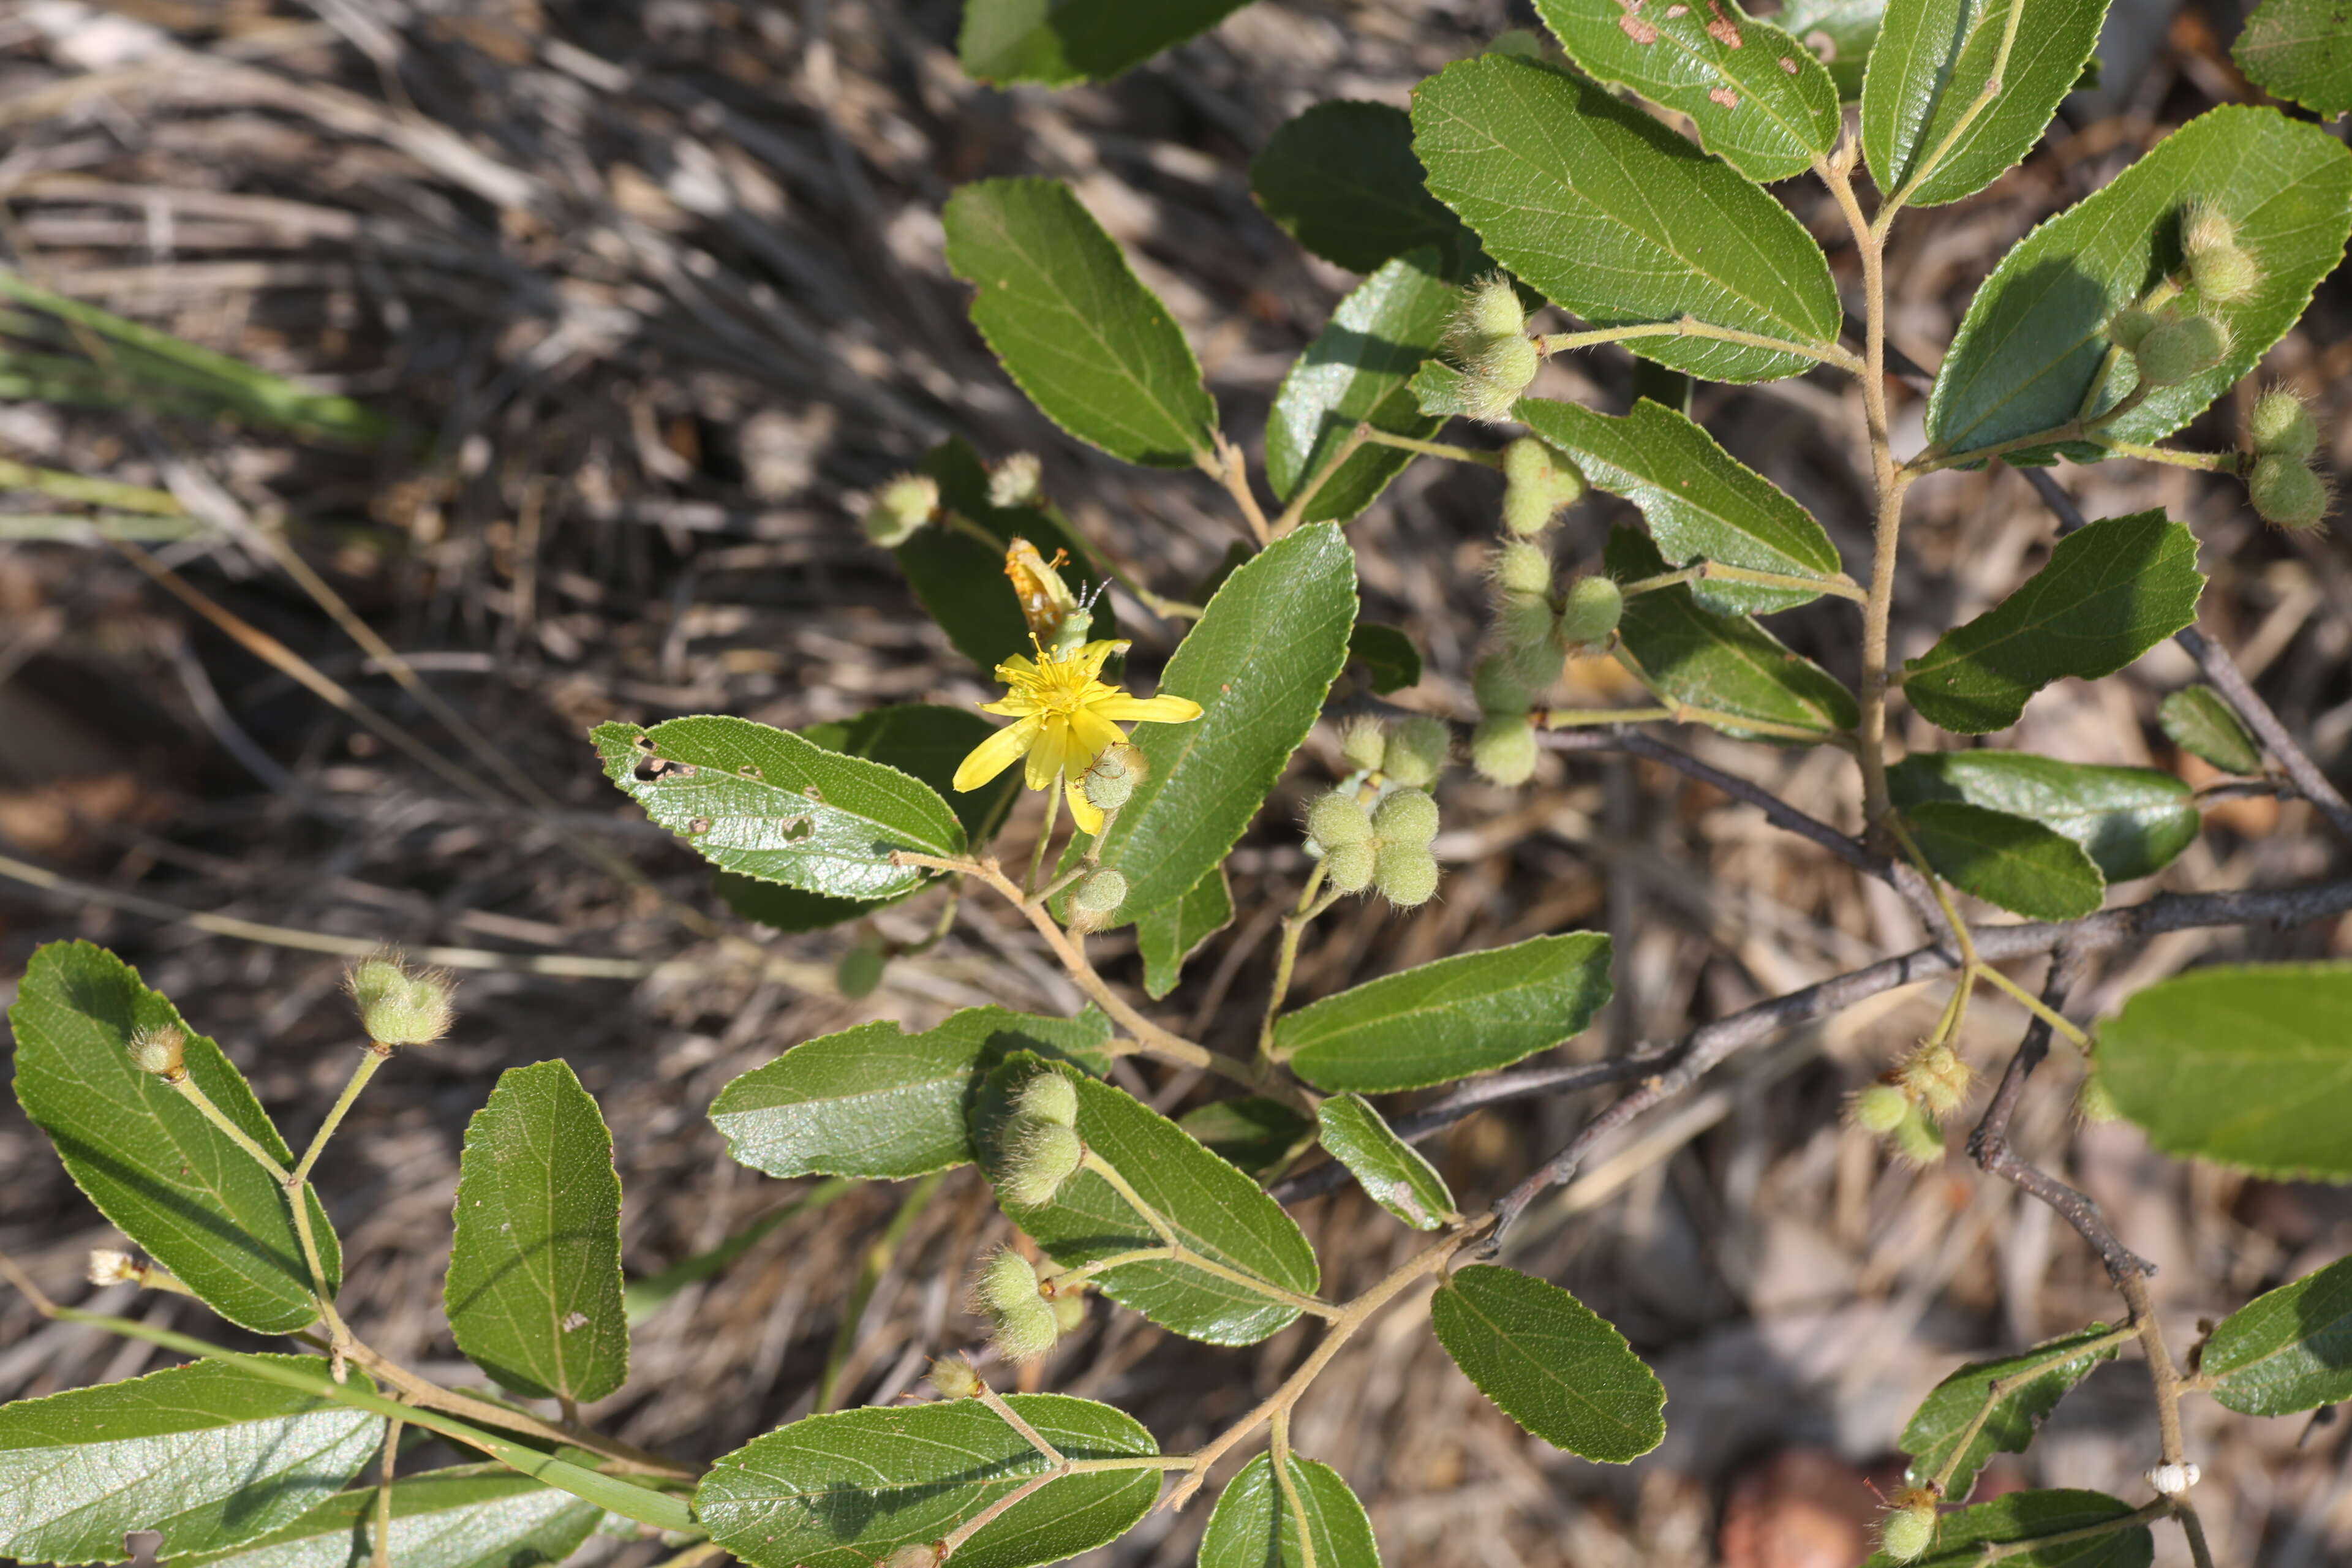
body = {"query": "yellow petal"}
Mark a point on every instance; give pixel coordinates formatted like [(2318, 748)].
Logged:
[(1045, 754), (1012, 705), (1094, 655), (1089, 734), (1017, 670), (995, 754), (1088, 816), (1160, 710)]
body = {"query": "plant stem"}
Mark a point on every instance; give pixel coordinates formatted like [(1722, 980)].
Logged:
[(1177, 1252), (1225, 465), (381, 1556), (1347, 447), (1434, 448), (195, 1096), (1045, 837), (1278, 1439), (1578, 717), (375, 1056), (2211, 462), (1294, 927), (2035, 1006)]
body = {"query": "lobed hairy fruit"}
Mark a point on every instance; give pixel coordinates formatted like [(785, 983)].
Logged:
[(1878, 1108), (1018, 480), (2130, 327), (1937, 1078), (953, 1376), (1918, 1140), (1538, 483), (2205, 228), (2286, 491), (1406, 874), (1523, 626), (161, 1050), (1364, 742), (2226, 277), (1416, 750), (1022, 1322), (1348, 868), (1591, 612), (1521, 567), (1043, 1155), (1907, 1528), (1498, 370), (2180, 347), (900, 509), (1408, 817), (1500, 688), (2281, 425), (1338, 818), (399, 1006), (1489, 307), (1048, 1097), (1096, 897), (110, 1265), (1503, 749), (1110, 779)]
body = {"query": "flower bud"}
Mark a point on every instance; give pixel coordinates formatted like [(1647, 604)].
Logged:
[(1879, 1109), (1523, 568), (1069, 1310), (860, 970), (161, 1050), (1364, 742), (1537, 482), (2094, 1103), (2180, 347), (109, 1266), (1416, 750), (1490, 308), (1016, 481), (2130, 327), (1048, 1097), (1500, 688), (1907, 1529), (1110, 779), (1503, 749), (398, 1006), (1406, 874), (1591, 612), (952, 1375), (1096, 898), (2286, 491), (2282, 426), (1937, 1078), (914, 1554), (901, 508), (1918, 1140), (1348, 868), (1043, 1155), (1338, 818), (1408, 817)]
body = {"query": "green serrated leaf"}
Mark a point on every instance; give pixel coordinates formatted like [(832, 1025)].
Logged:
[(1390, 1169), (1930, 65), (1962, 1537), (2199, 722), (164, 1175), (1078, 331), (1726, 665), (1446, 1020), (2300, 51), (534, 1285), (1341, 179), (1948, 1415), (1553, 1365), (2131, 821), (2024, 867), (209, 1455), (2287, 1349), (876, 1102), (471, 1516), (1214, 1210), (1700, 501), (1359, 369), (766, 803), (847, 1490), (1256, 1523), (1171, 933), (1208, 777), (1759, 99), (1058, 42), (1388, 656), (2245, 1065), (961, 580), (2034, 340), (1838, 33), (1618, 219), (1258, 1133), (2109, 593)]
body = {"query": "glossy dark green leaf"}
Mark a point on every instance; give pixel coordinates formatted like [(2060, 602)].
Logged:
[(2024, 867), (1209, 776), (1213, 1209), (961, 580), (1838, 33), (1171, 933), (207, 1454), (2199, 722), (534, 1285), (1359, 369), (2034, 340), (1554, 1365), (1256, 1132), (1759, 100), (1441, 1021), (2300, 51), (1076, 329), (1343, 180), (1726, 665), (766, 803), (1961, 1537), (1256, 1524), (1930, 65), (2288, 1350), (2109, 593), (1700, 501), (2245, 1065), (1936, 1430), (877, 1102), (1388, 656), (1621, 220), (847, 1490), (472, 1516), (1058, 42), (168, 1178), (2131, 821), (1390, 1169)]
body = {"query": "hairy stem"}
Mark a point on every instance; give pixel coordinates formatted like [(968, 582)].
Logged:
[(1294, 927), (375, 1056)]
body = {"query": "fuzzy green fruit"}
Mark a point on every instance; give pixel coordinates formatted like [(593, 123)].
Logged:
[(1523, 568), (161, 1050), (2226, 277), (1364, 742), (1348, 868), (398, 1006), (1503, 749), (1918, 1140), (1905, 1532), (1406, 874), (1416, 750), (1338, 818), (1879, 1109), (1408, 817), (1490, 308), (1592, 609), (2286, 492), (2182, 347), (900, 508), (1044, 1154), (1500, 688), (2281, 425), (1049, 1097)]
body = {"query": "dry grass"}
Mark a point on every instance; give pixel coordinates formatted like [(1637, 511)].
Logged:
[(654, 292)]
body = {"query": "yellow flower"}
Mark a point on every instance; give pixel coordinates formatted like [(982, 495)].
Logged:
[(1061, 719)]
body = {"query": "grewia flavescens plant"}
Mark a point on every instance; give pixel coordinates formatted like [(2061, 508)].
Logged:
[(1522, 180)]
